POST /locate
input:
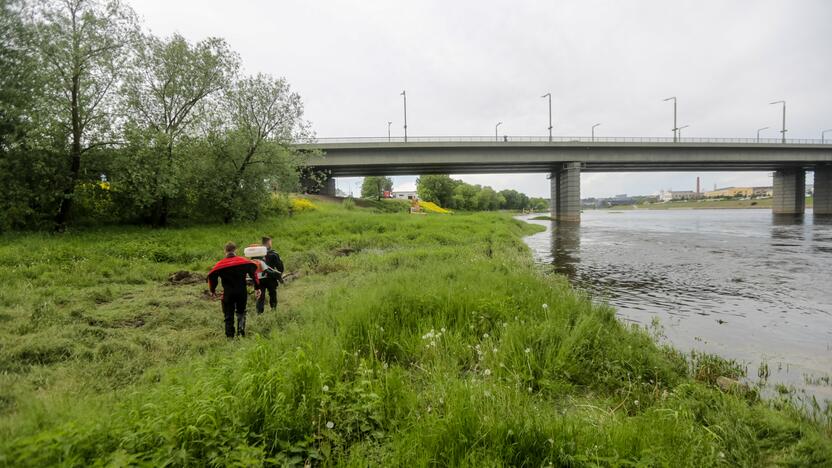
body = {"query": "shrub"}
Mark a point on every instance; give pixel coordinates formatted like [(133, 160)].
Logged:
[(300, 205)]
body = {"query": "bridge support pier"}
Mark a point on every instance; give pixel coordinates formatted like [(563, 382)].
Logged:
[(565, 184), (328, 187), (789, 191), (823, 190)]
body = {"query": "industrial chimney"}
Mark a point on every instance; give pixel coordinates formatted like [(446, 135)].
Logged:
[(697, 185)]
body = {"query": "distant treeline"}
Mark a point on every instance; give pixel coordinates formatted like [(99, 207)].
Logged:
[(459, 195), (101, 121)]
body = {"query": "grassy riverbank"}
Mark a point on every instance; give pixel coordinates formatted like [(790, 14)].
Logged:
[(407, 340), (704, 204)]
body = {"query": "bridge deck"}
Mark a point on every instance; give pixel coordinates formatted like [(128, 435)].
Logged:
[(362, 156)]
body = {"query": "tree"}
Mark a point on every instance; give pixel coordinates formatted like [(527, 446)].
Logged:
[(465, 196), (538, 204), (253, 151), (514, 200), (165, 88), (27, 201), (82, 44), (375, 186), (436, 188), (488, 199)]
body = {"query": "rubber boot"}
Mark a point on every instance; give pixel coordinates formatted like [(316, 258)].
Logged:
[(241, 324)]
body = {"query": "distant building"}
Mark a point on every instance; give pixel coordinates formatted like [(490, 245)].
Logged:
[(747, 192), (405, 195), (674, 195)]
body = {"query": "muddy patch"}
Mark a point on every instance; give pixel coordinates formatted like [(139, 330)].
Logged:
[(183, 277)]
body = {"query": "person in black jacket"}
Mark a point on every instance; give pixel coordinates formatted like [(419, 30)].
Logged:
[(268, 283), (232, 270)]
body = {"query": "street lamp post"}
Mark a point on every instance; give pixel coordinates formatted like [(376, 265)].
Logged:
[(680, 131), (404, 96), (496, 136), (823, 134), (673, 98), (389, 123), (549, 95), (593, 131), (758, 133), (784, 118)]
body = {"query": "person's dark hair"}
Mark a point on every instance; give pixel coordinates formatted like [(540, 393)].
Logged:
[(230, 247), (265, 240)]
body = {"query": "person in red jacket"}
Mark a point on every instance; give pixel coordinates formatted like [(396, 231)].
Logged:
[(232, 271)]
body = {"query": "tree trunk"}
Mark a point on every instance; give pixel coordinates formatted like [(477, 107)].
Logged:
[(74, 158)]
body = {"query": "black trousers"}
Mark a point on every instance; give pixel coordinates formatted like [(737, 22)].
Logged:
[(267, 285), (234, 304)]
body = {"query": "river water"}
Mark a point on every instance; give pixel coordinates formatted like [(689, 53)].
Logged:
[(743, 284)]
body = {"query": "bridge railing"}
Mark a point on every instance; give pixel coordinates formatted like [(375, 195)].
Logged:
[(563, 139)]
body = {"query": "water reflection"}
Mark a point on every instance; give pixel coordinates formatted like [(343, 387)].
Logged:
[(740, 283), (566, 246)]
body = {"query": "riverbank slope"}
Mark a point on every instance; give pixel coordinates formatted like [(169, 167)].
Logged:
[(404, 340)]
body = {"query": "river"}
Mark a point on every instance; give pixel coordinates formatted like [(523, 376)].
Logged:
[(743, 284)]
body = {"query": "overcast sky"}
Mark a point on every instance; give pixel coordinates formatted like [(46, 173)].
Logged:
[(469, 64)]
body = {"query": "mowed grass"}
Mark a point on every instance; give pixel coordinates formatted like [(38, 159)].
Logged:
[(407, 341)]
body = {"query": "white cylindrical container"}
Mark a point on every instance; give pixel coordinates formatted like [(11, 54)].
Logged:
[(255, 251)]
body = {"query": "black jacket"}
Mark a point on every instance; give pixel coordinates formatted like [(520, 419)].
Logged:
[(273, 260), (233, 277)]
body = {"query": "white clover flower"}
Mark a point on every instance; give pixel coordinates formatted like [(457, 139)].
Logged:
[(495, 350), (330, 424), (551, 441), (384, 365), (527, 350), (429, 408), (442, 329), (441, 401), (505, 324), (635, 402), (325, 388), (487, 372), (485, 335), (530, 389), (510, 432), (381, 328)]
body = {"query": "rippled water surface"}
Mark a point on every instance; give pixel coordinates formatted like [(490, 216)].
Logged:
[(740, 283)]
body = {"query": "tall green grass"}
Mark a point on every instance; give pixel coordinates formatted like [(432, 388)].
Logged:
[(409, 341)]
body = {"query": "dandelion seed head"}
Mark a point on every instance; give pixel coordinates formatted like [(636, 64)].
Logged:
[(545, 306), (330, 424), (487, 372), (325, 388)]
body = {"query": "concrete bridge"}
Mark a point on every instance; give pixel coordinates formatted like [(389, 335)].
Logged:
[(564, 158)]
